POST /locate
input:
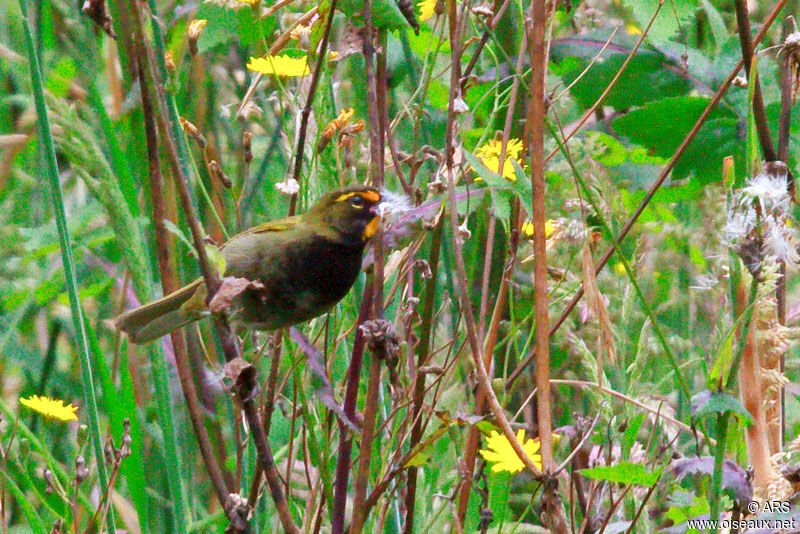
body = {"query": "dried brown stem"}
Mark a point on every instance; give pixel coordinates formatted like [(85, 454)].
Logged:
[(536, 29), (423, 354), (463, 293), (247, 386), (759, 113), (322, 57), (169, 280)]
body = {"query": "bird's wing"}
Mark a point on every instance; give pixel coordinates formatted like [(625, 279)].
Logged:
[(273, 226)]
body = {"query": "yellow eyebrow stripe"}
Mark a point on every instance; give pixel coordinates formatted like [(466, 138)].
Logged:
[(370, 196)]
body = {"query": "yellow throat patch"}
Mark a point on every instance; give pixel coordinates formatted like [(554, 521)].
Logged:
[(371, 227)]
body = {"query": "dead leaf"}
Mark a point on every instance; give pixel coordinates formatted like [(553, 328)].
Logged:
[(597, 305), (231, 288)]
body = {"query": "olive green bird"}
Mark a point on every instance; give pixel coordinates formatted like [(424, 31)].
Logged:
[(304, 264)]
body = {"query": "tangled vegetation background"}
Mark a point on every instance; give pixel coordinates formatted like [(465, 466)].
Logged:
[(584, 321)]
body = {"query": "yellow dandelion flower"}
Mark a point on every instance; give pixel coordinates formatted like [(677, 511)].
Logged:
[(280, 66), (250, 2), (550, 228), (633, 29), (498, 451), (620, 269), (489, 154), (333, 55), (426, 9), (48, 407)]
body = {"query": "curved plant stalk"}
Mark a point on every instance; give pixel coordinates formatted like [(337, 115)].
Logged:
[(51, 170)]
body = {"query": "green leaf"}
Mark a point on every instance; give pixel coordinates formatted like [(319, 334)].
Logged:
[(500, 189), (426, 42), (661, 127), (499, 490), (629, 436), (614, 153), (679, 514), (438, 94), (673, 17), (224, 24), (718, 377), (34, 521), (753, 153), (709, 402), (650, 75), (177, 232), (624, 473), (718, 28), (385, 14)]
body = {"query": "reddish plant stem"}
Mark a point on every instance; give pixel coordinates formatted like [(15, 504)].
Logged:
[(247, 386), (759, 113), (267, 408), (306, 113), (665, 172), (423, 353), (536, 28), (350, 398), (169, 281), (471, 446)]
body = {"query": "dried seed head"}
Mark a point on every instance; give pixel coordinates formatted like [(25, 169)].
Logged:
[(81, 471), (217, 173), (192, 130), (193, 33), (247, 147)]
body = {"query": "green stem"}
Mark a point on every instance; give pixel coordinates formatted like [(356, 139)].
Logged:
[(719, 457), (51, 168)]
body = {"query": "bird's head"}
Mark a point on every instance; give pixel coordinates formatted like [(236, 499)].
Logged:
[(351, 212)]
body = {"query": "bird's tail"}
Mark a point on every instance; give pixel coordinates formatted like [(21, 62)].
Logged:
[(161, 316)]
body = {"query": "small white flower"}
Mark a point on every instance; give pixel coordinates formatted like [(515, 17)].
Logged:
[(289, 187), (459, 106), (463, 232), (771, 190), (393, 204), (778, 243), (793, 39), (740, 223)]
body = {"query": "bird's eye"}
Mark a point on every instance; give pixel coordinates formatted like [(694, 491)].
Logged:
[(357, 201)]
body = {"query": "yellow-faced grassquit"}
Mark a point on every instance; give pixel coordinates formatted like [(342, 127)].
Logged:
[(301, 267)]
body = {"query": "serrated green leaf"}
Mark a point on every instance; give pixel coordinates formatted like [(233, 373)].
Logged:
[(624, 473), (710, 402)]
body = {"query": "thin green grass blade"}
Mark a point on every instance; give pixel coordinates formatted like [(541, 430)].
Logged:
[(51, 168)]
